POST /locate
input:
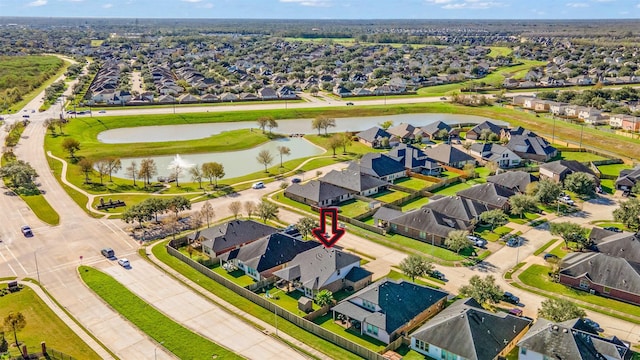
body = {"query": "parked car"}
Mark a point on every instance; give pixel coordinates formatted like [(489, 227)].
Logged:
[(594, 325), (477, 241), (516, 312), (510, 298), (443, 98), (349, 103), (26, 231), (258, 185), (296, 180), (513, 242), (613, 228), (550, 257), (124, 262), (108, 253), (437, 275), (102, 111)]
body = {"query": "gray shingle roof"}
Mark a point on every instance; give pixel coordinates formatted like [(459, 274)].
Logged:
[(386, 214), (232, 233), (317, 191), (623, 244), (447, 154), (434, 127), (376, 164), (486, 125), (534, 145), (412, 157), (352, 180), (373, 134), (566, 167), (487, 193), (457, 207), (402, 130), (430, 221), (614, 272), (467, 330), (629, 176), (514, 180)]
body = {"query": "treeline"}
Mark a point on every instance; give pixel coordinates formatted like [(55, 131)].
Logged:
[(21, 74)]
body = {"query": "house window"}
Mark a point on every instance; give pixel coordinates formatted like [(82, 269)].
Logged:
[(372, 329), (423, 235), (606, 289), (421, 345), (445, 355), (523, 351), (394, 226), (406, 228), (584, 284)]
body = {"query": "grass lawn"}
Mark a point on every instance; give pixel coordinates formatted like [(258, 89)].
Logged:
[(413, 183), (579, 156), (408, 354), (395, 275), (41, 207), (425, 248), (544, 247), (353, 334), (608, 185), (353, 208), (356, 148), (237, 276), (613, 169), (537, 276), (452, 189), (604, 224), (524, 219), (388, 196), (560, 251), (181, 341), (497, 233), (483, 172), (415, 203), (449, 174), (263, 314), (288, 301), (56, 333)]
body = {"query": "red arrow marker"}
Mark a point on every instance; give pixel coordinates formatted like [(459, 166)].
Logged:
[(336, 233)]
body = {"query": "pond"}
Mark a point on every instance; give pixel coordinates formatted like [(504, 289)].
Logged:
[(295, 126), (236, 163)]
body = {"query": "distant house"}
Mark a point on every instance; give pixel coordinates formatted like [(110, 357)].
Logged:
[(558, 109), (628, 178), (387, 308), (406, 132), (267, 93), (432, 130), (323, 268), (228, 97), (489, 194), (261, 258), (448, 155), (188, 99), (572, 339), (476, 131), (372, 137), (230, 235), (516, 181), (361, 184), (464, 330), (504, 157), (558, 170), (415, 159), (342, 91), (318, 193), (209, 98), (379, 165)]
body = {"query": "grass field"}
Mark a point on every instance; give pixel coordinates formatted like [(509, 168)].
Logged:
[(181, 341), (579, 156), (388, 196), (42, 209), (544, 247), (413, 183), (613, 169), (415, 203), (56, 333), (29, 75), (353, 208)]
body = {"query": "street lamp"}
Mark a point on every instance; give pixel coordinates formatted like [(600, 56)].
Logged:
[(155, 354)]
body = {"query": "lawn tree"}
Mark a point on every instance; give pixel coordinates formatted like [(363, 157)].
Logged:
[(493, 137), (494, 218), (636, 188), (235, 208), (262, 123), (265, 158), (570, 232), (327, 123), (132, 171), (103, 168), (314, 90), (580, 183), (50, 124), (271, 124), (317, 123), (267, 210), (22, 176), (15, 322), (196, 175), (172, 223), (467, 145), (115, 164), (213, 171), (386, 124), (283, 150), (442, 134), (531, 189), (520, 204), (415, 266), (483, 290), (485, 134), (346, 141), (86, 166), (417, 139), (628, 213), (469, 169), (250, 208), (207, 212), (548, 191), (155, 206), (334, 142), (457, 240), (148, 169), (492, 166), (384, 142), (177, 204), (559, 310), (324, 298), (60, 123), (305, 225), (71, 145), (137, 212), (176, 170)]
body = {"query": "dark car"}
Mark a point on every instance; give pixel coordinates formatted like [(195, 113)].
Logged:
[(26, 231), (349, 103), (437, 275), (108, 253), (513, 242), (613, 228), (550, 257), (510, 298), (594, 325), (296, 180)]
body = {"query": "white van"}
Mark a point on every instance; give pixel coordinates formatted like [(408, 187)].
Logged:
[(258, 185)]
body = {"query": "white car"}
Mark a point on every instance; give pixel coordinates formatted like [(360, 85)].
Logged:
[(258, 185), (124, 262)]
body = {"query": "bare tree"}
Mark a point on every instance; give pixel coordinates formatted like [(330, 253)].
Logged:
[(283, 150), (86, 166), (114, 165), (132, 170), (207, 212), (265, 158), (103, 168), (213, 171), (235, 208), (250, 207), (196, 174), (147, 170)]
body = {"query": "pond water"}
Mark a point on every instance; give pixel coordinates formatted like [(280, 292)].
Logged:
[(295, 126), (236, 163)]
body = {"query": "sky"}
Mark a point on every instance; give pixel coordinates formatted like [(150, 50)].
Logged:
[(327, 9)]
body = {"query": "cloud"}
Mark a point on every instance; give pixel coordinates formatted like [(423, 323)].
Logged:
[(312, 3), (603, 1), (205, 6), (107, 6), (471, 4), (439, 1), (192, 1), (577, 5), (37, 3)]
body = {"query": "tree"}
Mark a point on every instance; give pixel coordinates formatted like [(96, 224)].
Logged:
[(386, 124), (323, 122), (559, 310), (483, 290), (317, 124), (628, 213), (469, 169), (570, 232), (305, 225), (334, 142), (272, 123), (494, 218), (196, 175), (207, 212), (328, 122), (492, 166), (250, 207), (155, 206), (283, 150), (132, 170), (178, 203), (548, 191), (580, 183), (15, 322), (22, 175), (114, 164), (235, 208), (71, 145), (262, 123), (137, 212), (467, 145), (265, 158), (148, 169), (442, 134), (103, 168), (415, 266), (50, 124), (346, 141), (485, 134), (520, 204), (324, 298), (457, 240), (213, 171), (86, 166), (384, 142), (267, 211)]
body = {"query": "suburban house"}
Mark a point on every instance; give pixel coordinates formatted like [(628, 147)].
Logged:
[(528, 145), (387, 309), (318, 193), (373, 137), (432, 131), (415, 159), (231, 235), (426, 225), (464, 330), (571, 339), (476, 131), (361, 184), (457, 207), (379, 165), (499, 154), (406, 132), (323, 268), (489, 194), (516, 181), (628, 179), (559, 169), (446, 154), (261, 258)]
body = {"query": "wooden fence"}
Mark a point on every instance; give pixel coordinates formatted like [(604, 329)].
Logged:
[(277, 310)]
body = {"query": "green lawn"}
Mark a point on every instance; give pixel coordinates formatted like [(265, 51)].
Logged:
[(353, 208), (237, 276), (604, 224), (528, 216), (560, 251), (485, 233), (251, 308), (356, 148), (413, 183), (449, 174), (544, 247), (41, 207), (608, 185), (483, 172), (537, 276), (415, 203), (181, 341), (288, 301), (326, 321), (579, 156), (388, 196), (613, 169), (424, 247), (400, 276), (408, 354), (42, 325), (452, 189)]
